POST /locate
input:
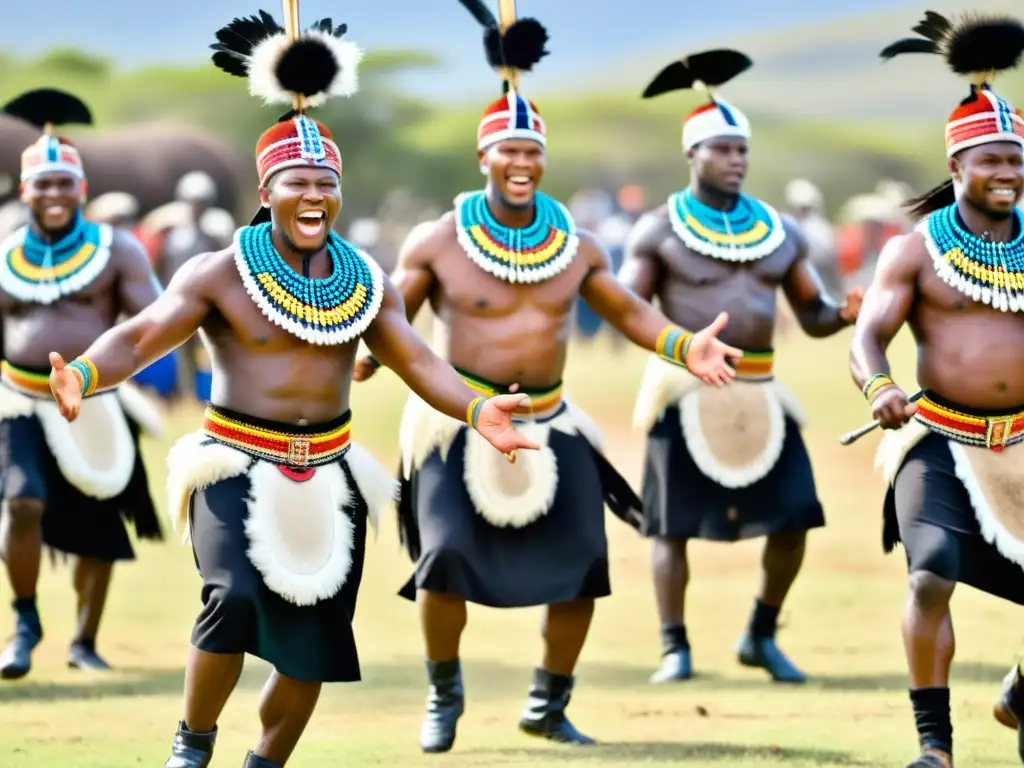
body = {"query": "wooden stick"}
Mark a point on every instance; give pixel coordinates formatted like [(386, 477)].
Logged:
[(506, 18), (291, 28), (852, 437)]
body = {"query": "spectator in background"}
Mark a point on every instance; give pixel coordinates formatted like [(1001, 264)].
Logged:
[(118, 209), (805, 203), (869, 222)]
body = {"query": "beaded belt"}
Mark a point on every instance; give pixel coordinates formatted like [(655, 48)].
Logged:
[(25, 381), (308, 447), (754, 366), (544, 403), (993, 432)]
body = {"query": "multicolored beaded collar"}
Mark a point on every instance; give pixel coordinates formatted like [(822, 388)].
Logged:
[(527, 255), (33, 270), (748, 232), (992, 273), (334, 310)]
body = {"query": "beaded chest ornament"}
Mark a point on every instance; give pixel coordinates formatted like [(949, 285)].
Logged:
[(33, 270), (985, 271), (529, 254), (751, 231), (333, 310)]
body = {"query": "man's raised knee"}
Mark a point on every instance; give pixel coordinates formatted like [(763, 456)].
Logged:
[(25, 514), (930, 592)]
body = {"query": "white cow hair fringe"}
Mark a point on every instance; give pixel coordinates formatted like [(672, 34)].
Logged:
[(262, 66)]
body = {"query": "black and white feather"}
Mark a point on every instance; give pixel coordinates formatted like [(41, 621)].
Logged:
[(521, 47), (316, 67), (703, 71), (48, 106), (972, 45)]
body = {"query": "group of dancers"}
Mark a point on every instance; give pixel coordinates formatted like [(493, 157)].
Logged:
[(503, 482)]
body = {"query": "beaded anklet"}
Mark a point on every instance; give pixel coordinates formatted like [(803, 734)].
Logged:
[(90, 376), (876, 384), (674, 344), (473, 411)]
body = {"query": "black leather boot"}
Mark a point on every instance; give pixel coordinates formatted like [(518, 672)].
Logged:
[(762, 652), (191, 750), (544, 715), (445, 704), (252, 760), (16, 658), (1010, 706)]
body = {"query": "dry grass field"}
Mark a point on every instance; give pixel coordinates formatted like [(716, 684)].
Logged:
[(841, 624)]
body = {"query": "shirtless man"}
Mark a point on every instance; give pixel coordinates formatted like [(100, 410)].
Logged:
[(950, 455), (502, 272), (712, 248), (63, 282), (272, 492)]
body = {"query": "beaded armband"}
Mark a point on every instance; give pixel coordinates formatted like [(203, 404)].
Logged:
[(473, 411), (673, 344), (876, 384), (90, 376)]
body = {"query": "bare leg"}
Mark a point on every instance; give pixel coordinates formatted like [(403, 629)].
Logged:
[(929, 644), (21, 546), (92, 582), (285, 708), (565, 630), (442, 617), (671, 572), (780, 563)]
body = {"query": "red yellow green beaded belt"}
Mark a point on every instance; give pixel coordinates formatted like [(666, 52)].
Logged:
[(320, 445), (27, 382), (543, 402), (755, 365), (993, 432)]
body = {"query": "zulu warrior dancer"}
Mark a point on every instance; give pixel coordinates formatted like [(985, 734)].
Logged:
[(271, 490), (504, 270), (950, 459), (63, 282), (724, 464)]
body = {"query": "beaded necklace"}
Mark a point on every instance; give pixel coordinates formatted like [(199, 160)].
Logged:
[(750, 231), (529, 254), (992, 273), (36, 271), (332, 310)]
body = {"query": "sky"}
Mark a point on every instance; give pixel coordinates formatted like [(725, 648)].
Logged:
[(585, 34)]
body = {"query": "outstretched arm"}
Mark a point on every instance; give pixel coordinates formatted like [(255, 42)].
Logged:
[(887, 304), (393, 341), (703, 354), (138, 286), (413, 280), (815, 310), (129, 347)]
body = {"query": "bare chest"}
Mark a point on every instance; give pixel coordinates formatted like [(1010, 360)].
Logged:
[(685, 267)]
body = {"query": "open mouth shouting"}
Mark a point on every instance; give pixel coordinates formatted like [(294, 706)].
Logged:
[(311, 223), (519, 185), (1005, 194)]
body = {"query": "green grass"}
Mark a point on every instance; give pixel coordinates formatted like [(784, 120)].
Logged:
[(841, 624)]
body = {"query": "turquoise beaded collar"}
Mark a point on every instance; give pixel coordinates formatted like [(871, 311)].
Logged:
[(531, 254), (991, 273), (35, 271), (334, 310), (750, 231)]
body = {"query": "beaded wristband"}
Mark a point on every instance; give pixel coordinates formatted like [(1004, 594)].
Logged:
[(90, 376), (673, 344), (473, 410), (875, 384)]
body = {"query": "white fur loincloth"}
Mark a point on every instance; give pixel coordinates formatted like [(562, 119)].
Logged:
[(504, 494), (734, 433), (95, 452), (300, 539), (994, 482)]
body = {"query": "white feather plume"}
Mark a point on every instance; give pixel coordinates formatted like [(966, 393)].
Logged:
[(262, 69)]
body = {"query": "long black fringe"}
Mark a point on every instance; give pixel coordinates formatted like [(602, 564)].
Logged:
[(935, 198)]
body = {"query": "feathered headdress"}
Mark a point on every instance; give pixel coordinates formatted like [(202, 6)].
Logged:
[(511, 46), (47, 108), (302, 69), (977, 47), (705, 72)]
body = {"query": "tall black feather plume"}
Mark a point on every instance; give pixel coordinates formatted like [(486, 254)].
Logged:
[(237, 40), (480, 12), (708, 68), (523, 43), (48, 105)]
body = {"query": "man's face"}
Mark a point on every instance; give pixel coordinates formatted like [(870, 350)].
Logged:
[(514, 168), (992, 177), (304, 204), (721, 163), (53, 199)]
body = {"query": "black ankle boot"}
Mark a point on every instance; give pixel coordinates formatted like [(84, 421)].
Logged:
[(445, 705), (545, 709), (1009, 709), (16, 658), (252, 760), (191, 750)]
